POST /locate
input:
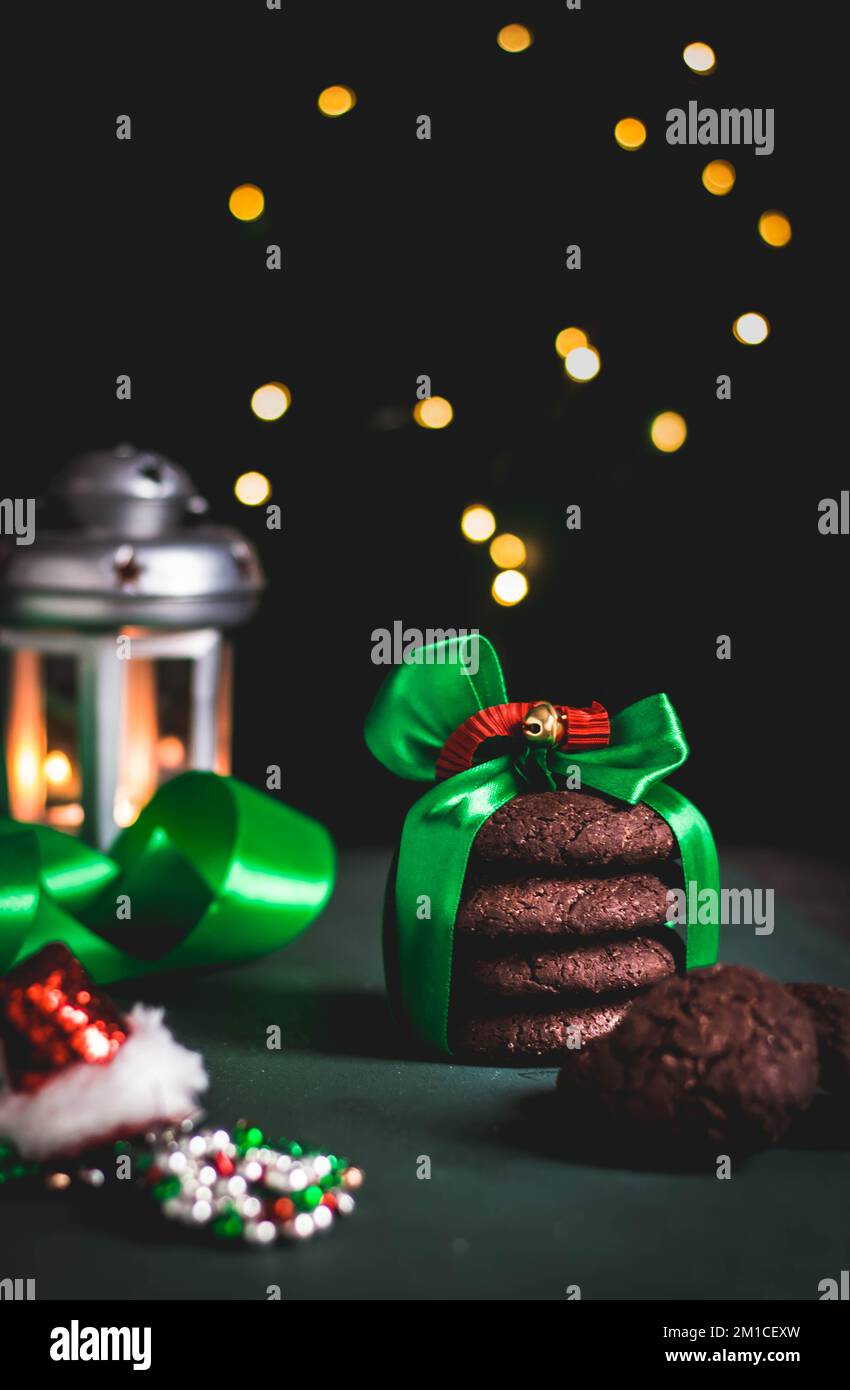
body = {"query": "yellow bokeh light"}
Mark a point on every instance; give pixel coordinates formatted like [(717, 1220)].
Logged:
[(700, 58), (719, 177), (508, 551), (252, 489), (336, 101), (509, 587), (629, 133), (582, 363), (477, 523), (247, 202), (569, 338), (514, 38), (668, 431), (751, 329), (774, 228), (434, 413), (57, 768), (271, 400)]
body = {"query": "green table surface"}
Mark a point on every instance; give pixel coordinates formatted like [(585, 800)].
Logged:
[(504, 1215)]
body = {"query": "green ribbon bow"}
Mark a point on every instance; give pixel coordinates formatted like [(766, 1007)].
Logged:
[(212, 871), (419, 705)]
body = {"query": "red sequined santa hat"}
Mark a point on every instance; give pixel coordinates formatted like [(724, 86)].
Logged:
[(75, 1071)]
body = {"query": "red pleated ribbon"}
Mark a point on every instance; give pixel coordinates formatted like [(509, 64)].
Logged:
[(583, 728)]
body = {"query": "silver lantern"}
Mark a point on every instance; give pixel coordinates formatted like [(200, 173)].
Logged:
[(119, 674)]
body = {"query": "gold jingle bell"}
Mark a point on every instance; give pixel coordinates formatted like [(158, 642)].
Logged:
[(542, 725)]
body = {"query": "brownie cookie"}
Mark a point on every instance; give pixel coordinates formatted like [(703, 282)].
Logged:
[(566, 906), (598, 968), (829, 1009), (720, 1060), (528, 1036), (563, 829)]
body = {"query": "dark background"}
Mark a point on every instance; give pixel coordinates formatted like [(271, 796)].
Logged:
[(404, 257)]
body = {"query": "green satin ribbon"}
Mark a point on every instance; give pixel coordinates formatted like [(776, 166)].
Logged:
[(417, 708), (212, 871)]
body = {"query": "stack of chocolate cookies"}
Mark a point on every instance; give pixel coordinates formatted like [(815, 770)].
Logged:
[(560, 926)]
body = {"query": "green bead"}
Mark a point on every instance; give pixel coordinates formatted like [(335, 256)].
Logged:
[(312, 1196), (143, 1162), (228, 1224), (253, 1137), (168, 1187), (295, 1150)]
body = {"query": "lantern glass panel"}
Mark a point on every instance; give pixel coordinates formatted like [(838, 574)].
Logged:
[(96, 723), (62, 764)]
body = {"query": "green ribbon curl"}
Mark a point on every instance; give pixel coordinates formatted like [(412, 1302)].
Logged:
[(211, 872), (419, 705)]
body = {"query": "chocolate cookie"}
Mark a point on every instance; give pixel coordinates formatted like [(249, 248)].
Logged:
[(566, 906), (562, 829), (721, 1060), (519, 1035), (829, 1009), (608, 967)]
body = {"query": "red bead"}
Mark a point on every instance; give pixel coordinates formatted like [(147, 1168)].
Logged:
[(284, 1209), (225, 1165), (329, 1200)]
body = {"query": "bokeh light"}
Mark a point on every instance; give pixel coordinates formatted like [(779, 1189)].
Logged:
[(514, 38), (719, 177), (509, 587), (774, 228), (336, 101), (252, 489), (569, 338), (582, 363), (247, 202), (434, 413), (271, 400), (477, 523), (751, 328), (700, 58), (668, 431), (629, 133), (508, 551), (57, 768)]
